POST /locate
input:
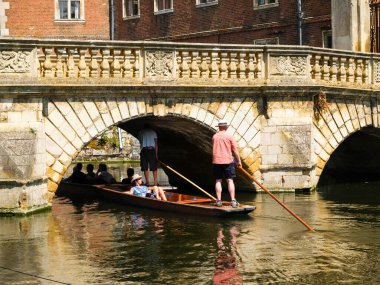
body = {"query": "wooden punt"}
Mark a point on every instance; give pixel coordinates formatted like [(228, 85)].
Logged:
[(181, 203)]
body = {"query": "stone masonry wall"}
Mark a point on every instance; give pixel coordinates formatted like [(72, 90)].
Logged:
[(23, 186), (286, 144)]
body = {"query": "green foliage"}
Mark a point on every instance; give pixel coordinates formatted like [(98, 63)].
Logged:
[(111, 141)]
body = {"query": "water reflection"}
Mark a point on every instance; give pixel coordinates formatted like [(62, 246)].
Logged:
[(94, 242), (227, 261)]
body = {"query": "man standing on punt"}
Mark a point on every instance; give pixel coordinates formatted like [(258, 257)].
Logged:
[(224, 148), (149, 153)]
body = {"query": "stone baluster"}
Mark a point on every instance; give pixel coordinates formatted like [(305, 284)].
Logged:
[(333, 69), (214, 69), (127, 66), (342, 73), (359, 72), (48, 65), (94, 65), (365, 72), (223, 66), (251, 66), (194, 64), (82, 66), (317, 75), (350, 70), (204, 65), (115, 65), (185, 69), (178, 64), (232, 68), (325, 68), (258, 71), (242, 67), (59, 67), (105, 65), (71, 72), (136, 66)]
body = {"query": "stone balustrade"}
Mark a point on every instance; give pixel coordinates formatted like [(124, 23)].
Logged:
[(157, 63)]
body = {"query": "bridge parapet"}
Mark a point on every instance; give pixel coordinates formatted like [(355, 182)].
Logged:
[(161, 63)]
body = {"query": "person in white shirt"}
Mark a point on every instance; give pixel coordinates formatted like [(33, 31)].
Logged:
[(149, 153)]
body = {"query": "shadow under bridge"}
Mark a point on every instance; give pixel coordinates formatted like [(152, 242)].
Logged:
[(184, 145)]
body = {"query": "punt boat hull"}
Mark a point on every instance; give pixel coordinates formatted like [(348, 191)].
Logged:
[(180, 203)]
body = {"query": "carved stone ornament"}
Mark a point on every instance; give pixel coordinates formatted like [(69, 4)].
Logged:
[(159, 64), (15, 62), (377, 72), (290, 65)]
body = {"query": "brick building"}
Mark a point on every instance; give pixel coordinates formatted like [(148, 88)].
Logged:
[(226, 21), (74, 19)]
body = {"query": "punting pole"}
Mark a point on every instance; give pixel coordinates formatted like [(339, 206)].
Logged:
[(188, 180), (277, 200)]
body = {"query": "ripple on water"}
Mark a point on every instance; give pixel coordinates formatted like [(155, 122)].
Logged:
[(100, 243)]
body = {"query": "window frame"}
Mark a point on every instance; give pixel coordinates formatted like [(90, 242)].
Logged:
[(81, 11), (125, 16), (325, 35), (208, 3), (163, 11), (265, 5)]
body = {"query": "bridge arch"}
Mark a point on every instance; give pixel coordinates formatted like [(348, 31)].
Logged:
[(339, 121), (71, 124)]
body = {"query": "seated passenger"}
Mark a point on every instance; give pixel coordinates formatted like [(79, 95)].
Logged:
[(143, 191), (91, 175), (90, 171), (103, 176), (130, 173), (77, 176)]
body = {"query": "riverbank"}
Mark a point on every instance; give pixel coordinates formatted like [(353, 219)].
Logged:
[(105, 158)]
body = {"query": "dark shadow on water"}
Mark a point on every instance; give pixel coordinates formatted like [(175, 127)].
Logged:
[(367, 193)]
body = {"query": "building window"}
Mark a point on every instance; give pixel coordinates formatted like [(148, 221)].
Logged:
[(327, 39), (131, 8), (163, 6), (202, 3), (69, 9), (267, 41), (260, 4)]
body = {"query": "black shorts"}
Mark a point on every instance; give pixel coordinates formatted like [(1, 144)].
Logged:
[(226, 171), (148, 160)]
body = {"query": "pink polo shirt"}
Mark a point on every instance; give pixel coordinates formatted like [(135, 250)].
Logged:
[(223, 146)]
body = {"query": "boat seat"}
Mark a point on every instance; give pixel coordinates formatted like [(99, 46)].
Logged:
[(194, 201)]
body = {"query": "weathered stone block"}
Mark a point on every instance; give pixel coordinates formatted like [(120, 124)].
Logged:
[(99, 124), (201, 115), (285, 159), (123, 107), (269, 159), (18, 147), (14, 117), (53, 148)]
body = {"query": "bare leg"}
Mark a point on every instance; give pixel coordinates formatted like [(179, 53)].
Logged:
[(155, 177), (146, 174), (155, 190), (231, 188), (218, 189), (162, 194)]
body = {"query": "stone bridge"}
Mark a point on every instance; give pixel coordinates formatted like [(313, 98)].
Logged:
[(290, 108)]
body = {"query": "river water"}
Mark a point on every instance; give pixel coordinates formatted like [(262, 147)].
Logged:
[(93, 242)]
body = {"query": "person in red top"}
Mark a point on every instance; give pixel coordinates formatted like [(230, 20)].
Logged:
[(224, 149)]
